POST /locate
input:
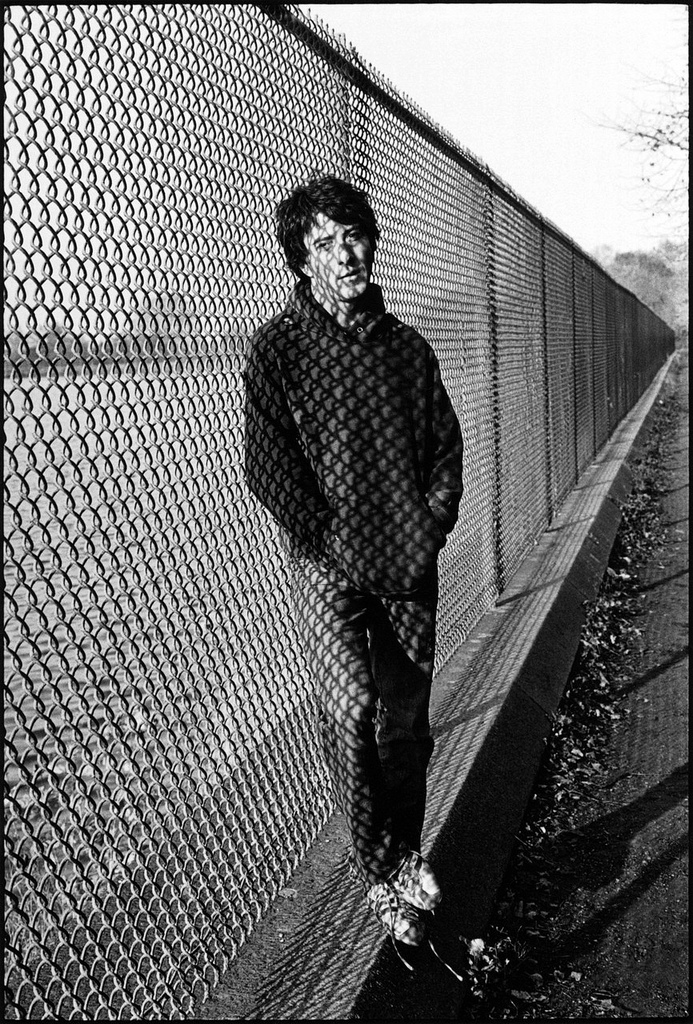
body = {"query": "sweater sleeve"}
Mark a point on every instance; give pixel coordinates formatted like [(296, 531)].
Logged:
[(444, 489), (276, 469)]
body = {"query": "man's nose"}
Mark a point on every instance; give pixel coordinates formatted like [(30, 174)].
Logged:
[(345, 252)]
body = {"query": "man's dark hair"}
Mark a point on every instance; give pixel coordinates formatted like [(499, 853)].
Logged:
[(334, 197)]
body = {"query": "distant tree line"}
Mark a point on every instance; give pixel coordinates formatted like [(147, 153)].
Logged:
[(659, 278)]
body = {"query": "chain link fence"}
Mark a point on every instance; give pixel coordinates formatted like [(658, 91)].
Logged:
[(162, 778)]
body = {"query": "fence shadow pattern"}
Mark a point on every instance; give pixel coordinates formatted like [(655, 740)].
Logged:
[(162, 769)]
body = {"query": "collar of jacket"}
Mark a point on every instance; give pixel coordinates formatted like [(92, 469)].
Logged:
[(302, 303)]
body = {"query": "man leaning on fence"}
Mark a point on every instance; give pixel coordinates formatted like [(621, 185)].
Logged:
[(353, 446)]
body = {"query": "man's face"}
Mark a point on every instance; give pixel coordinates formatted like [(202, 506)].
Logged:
[(339, 263)]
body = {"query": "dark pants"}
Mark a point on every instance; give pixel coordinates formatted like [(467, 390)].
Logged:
[(373, 662)]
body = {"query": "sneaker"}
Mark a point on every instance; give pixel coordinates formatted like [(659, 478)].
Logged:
[(399, 918), (415, 882)]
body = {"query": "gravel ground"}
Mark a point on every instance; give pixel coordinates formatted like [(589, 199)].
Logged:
[(593, 921)]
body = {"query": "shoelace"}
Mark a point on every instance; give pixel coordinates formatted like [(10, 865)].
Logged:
[(396, 949), (393, 905), (444, 962), (435, 952)]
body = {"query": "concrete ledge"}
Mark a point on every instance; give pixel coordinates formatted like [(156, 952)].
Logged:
[(320, 955)]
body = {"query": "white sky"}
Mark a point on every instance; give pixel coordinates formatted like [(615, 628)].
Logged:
[(530, 88)]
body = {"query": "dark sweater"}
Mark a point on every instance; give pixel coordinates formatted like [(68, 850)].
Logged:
[(351, 441)]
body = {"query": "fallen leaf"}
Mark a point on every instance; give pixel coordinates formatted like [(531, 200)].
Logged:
[(475, 946)]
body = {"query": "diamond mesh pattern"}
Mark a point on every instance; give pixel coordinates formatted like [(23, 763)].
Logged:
[(560, 348), (161, 768), (584, 362), (600, 355), (522, 440)]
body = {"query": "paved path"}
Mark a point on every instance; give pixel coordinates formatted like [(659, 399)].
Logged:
[(633, 906), (644, 958)]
